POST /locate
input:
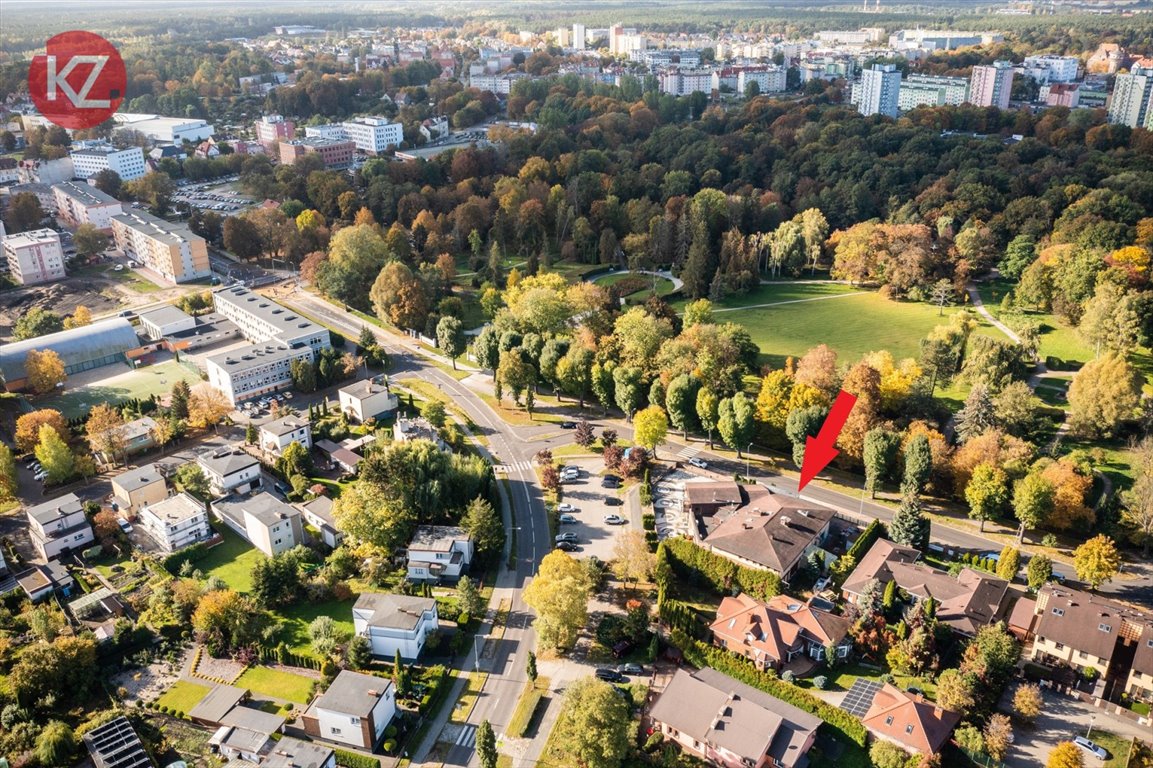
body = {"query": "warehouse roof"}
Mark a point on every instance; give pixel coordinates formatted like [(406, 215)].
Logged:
[(75, 346)]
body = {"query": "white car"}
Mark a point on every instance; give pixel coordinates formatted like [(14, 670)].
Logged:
[(698, 463), (565, 507), (118, 268), (569, 537), (39, 476), (124, 525), (615, 520), (1091, 747)]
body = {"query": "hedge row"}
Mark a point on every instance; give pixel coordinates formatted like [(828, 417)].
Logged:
[(347, 759), (282, 655), (873, 531), (437, 680), (695, 564), (681, 617), (172, 563), (702, 655)]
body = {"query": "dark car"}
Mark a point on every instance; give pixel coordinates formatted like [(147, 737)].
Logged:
[(631, 669), (568, 425), (611, 676), (612, 501), (610, 481), (566, 546), (622, 648)]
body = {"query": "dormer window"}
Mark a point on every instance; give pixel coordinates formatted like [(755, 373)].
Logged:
[(908, 729), (1104, 627), (889, 720)]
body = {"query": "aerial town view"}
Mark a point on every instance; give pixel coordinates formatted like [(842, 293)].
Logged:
[(593, 384)]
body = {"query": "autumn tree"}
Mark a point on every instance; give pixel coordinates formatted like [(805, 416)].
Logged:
[(28, 427), (596, 724), (708, 411), (8, 480), (1027, 702), (1097, 561), (818, 369), (998, 736), (89, 240), (1104, 393), (559, 594), (227, 621), (632, 561), (44, 370), (207, 406), (80, 317), (1039, 571), (1032, 500), (105, 430), (650, 427), (955, 691), (1066, 755), (55, 456), (400, 297), (986, 493), (864, 382)]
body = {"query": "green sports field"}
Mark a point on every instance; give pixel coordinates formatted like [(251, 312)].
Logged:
[(116, 384)]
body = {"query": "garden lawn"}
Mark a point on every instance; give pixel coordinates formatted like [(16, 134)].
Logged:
[(1117, 746), (232, 561), (852, 322), (664, 285), (298, 617), (183, 696), (276, 684)]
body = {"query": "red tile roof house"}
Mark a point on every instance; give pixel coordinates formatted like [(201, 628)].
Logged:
[(909, 721), (965, 602), (772, 634), (757, 528), (732, 725)]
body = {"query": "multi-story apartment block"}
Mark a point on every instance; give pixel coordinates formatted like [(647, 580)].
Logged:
[(374, 135), (501, 85), (991, 85), (1051, 69), (89, 160), (268, 523), (255, 370), (336, 153), (78, 204), (1061, 94), (333, 131), (34, 256), (768, 79), (1129, 104), (931, 91), (59, 526), (879, 90), (260, 319), (682, 82), (170, 250), (176, 522), (273, 129), (579, 40)]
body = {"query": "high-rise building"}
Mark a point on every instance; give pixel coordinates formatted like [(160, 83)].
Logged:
[(615, 31), (578, 37), (374, 135), (562, 36), (90, 160), (273, 129), (1051, 69), (34, 256), (991, 85), (170, 250), (879, 90), (932, 91), (1129, 104), (79, 203)]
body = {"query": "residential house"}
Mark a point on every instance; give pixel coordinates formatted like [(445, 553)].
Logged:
[(340, 456), (1084, 631), (439, 553), (764, 530), (277, 435), (59, 526), (296, 753), (417, 428), (394, 622), (135, 488), (230, 470), (354, 710), (138, 435), (730, 724), (772, 634), (42, 581), (966, 602), (318, 514), (367, 399), (268, 523), (909, 720), (176, 522), (116, 745)]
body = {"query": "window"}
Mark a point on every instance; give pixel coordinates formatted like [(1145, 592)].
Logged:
[(889, 720), (1105, 627), (1082, 654), (1058, 611), (335, 731), (1059, 646), (909, 728)]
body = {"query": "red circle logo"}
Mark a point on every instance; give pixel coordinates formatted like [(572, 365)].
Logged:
[(79, 82)]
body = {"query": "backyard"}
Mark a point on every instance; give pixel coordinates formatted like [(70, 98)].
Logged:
[(232, 561), (298, 617), (277, 684), (183, 696)]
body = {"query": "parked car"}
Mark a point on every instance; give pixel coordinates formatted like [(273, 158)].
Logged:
[(610, 481), (631, 669), (124, 525), (698, 463), (1091, 747), (615, 520), (565, 519), (566, 546), (565, 507), (571, 537), (568, 425), (612, 501), (610, 675), (570, 472)]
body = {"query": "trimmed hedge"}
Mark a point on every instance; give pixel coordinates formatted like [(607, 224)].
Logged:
[(172, 563), (696, 564), (347, 759), (873, 531), (702, 655), (438, 681), (682, 617)]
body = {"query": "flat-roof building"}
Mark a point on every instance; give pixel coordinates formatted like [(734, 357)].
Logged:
[(273, 129), (374, 135), (170, 250), (34, 256), (336, 153), (165, 130), (81, 349), (91, 160), (176, 522), (78, 203), (165, 321)]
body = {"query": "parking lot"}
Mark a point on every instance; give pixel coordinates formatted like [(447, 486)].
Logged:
[(594, 536), (216, 195)]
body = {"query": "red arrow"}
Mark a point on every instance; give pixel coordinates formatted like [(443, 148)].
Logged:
[(819, 450)]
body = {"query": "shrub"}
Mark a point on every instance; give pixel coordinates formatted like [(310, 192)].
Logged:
[(787, 676), (1049, 540), (173, 563), (649, 522), (696, 564), (347, 759), (820, 682), (703, 655), (653, 742), (389, 745)]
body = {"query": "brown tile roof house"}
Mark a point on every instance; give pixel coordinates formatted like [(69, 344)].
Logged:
[(732, 724), (966, 602), (770, 531), (774, 633), (910, 721)]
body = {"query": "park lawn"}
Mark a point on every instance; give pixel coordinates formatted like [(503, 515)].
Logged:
[(183, 696), (852, 324), (277, 684), (664, 285), (232, 561), (298, 617), (1117, 746), (140, 384)]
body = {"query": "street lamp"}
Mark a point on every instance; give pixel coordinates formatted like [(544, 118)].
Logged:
[(475, 653), (748, 459), (1091, 719)]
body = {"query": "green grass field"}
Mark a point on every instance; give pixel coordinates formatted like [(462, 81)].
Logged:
[(183, 696), (850, 321), (232, 561), (276, 683), (298, 617), (116, 384), (664, 286)]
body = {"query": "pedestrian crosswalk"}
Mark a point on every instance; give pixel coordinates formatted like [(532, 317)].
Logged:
[(688, 452), (521, 466), (467, 736)]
